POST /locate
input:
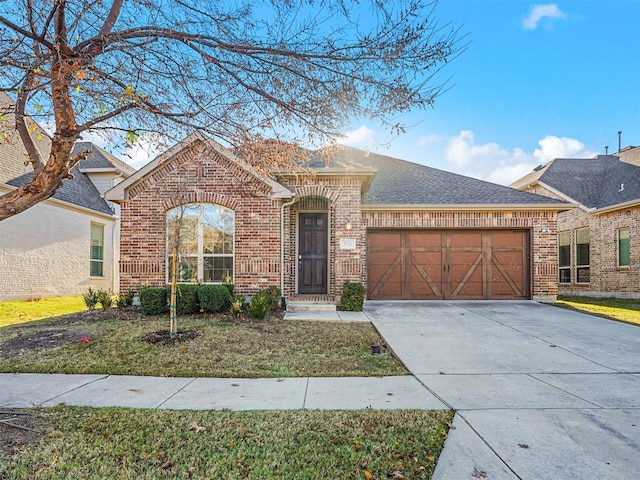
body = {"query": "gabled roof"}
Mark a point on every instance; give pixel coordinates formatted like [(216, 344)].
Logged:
[(595, 183), (13, 172), (100, 160), (399, 183), (119, 192)]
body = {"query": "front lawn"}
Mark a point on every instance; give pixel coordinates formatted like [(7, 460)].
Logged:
[(612, 308), (14, 312), (153, 444), (128, 343)]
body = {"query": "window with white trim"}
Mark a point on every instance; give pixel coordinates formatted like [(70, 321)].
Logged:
[(202, 235), (96, 251), (583, 274), (624, 254), (564, 257)]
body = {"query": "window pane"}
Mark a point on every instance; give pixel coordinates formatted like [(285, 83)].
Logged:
[(565, 275), (582, 247), (583, 275), (96, 250), (624, 258), (182, 229), (217, 230)]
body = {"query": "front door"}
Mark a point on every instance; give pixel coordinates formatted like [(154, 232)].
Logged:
[(312, 253)]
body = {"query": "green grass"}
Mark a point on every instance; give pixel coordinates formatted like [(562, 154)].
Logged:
[(612, 308), (222, 348), (145, 444), (14, 312)]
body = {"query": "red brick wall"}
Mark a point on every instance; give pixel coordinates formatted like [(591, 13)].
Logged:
[(200, 176)]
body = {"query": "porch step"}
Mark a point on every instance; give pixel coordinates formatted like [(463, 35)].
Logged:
[(294, 306)]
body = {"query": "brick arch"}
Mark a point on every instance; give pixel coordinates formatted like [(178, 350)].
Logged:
[(317, 191), (201, 197)]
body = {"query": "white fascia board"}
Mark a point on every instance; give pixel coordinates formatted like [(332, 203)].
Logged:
[(537, 207), (618, 206)]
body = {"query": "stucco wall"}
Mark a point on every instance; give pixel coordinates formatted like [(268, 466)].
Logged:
[(44, 252)]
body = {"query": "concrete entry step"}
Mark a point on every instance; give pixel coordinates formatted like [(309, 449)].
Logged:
[(310, 307)]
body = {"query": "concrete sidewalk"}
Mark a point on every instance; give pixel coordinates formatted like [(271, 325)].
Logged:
[(352, 393)]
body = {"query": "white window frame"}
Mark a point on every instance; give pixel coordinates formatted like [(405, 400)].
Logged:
[(200, 255), (96, 261)]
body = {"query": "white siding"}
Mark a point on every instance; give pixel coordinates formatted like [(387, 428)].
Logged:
[(44, 252)]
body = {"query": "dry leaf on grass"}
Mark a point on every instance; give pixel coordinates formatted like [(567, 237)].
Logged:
[(196, 427), (479, 473)]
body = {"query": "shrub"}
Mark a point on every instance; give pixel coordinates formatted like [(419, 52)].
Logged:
[(104, 298), (125, 299), (229, 285), (238, 305), (214, 298), (353, 296), (90, 298), (273, 294), (260, 305), (187, 299), (153, 300)]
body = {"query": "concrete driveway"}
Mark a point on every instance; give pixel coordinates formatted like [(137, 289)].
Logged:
[(540, 392)]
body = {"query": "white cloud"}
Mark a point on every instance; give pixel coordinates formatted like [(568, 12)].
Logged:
[(491, 162), (362, 137), (538, 13)]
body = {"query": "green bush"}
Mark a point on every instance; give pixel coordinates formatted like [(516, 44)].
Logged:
[(353, 294), (125, 299), (273, 294), (187, 299), (214, 298), (153, 300), (104, 298), (90, 298), (260, 305)]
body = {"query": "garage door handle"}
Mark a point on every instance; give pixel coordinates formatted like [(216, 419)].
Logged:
[(446, 268)]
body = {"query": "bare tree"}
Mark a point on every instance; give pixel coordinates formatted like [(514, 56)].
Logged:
[(293, 70)]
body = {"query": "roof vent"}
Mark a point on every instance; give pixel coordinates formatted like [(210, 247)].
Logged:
[(538, 168), (621, 187)]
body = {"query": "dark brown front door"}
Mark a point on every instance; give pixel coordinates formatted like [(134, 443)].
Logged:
[(448, 264), (312, 253)]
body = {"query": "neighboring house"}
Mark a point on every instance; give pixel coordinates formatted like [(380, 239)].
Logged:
[(599, 242), (406, 231), (67, 243)]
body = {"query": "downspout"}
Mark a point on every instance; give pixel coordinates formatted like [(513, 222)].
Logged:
[(283, 302)]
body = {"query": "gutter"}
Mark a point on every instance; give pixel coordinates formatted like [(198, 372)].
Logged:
[(282, 207), (536, 207)]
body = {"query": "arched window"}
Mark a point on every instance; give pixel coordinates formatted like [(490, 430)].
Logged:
[(202, 235)]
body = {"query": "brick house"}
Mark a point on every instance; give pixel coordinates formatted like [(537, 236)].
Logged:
[(406, 231), (598, 249)]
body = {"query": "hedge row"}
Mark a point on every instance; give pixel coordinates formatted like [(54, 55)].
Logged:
[(189, 299)]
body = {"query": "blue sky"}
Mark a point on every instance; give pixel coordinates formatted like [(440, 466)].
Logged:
[(538, 81)]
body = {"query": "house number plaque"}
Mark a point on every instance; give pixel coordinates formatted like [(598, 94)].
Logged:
[(347, 244)]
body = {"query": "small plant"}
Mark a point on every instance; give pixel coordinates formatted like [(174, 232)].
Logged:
[(228, 282), (260, 305), (105, 298), (153, 300), (353, 294), (214, 298), (125, 299), (90, 298), (238, 305), (273, 294)]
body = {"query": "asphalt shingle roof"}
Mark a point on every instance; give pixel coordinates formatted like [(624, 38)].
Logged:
[(595, 182), (399, 182), (100, 158), (13, 171)]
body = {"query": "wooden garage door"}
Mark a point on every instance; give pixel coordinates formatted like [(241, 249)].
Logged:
[(449, 264)]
